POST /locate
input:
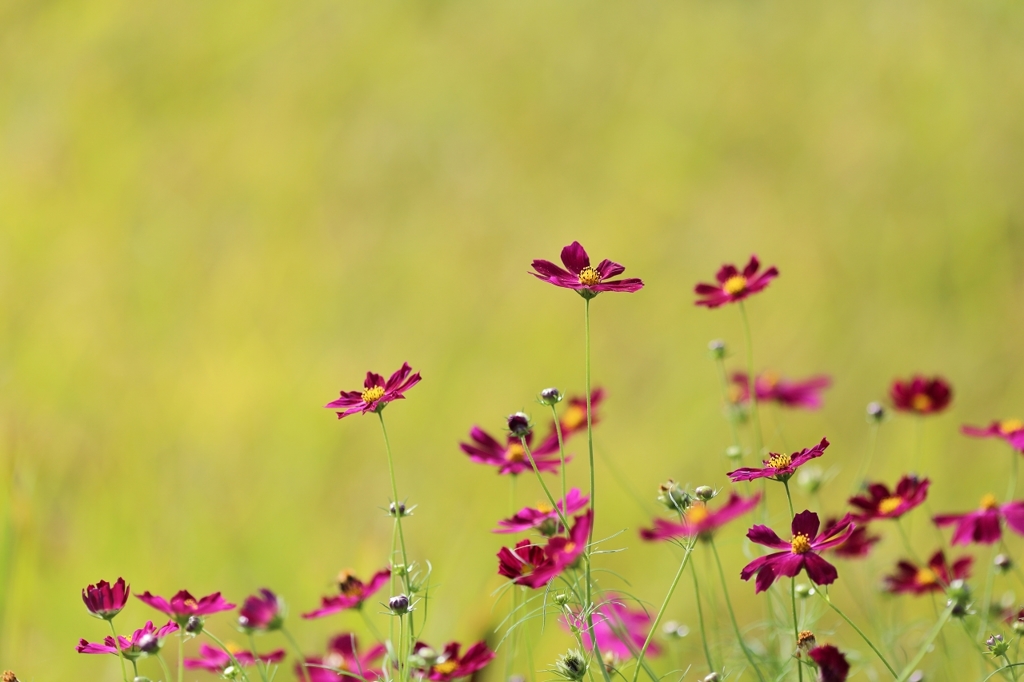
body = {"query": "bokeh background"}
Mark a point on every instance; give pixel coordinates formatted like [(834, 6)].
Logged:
[(214, 216)]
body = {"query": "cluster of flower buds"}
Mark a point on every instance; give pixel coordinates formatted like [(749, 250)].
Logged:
[(996, 645), (571, 665), (672, 495)]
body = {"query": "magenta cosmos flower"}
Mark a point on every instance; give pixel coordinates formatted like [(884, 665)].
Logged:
[(857, 546), (832, 664), (984, 526), (147, 636), (105, 600), (535, 566), (450, 665), (376, 393), (801, 553), (734, 285), (1010, 430), (779, 467), (217, 661), (700, 521), (881, 503), (183, 605), (771, 388), (587, 281), (544, 516), (619, 629), (261, 612), (511, 457), (921, 395), (935, 577), (353, 592), (342, 661)]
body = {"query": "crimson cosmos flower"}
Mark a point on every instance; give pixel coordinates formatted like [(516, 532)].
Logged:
[(771, 388), (984, 526), (701, 521), (832, 664), (734, 285), (353, 593), (921, 395), (183, 605), (1010, 430), (619, 629), (779, 467), (800, 553), (857, 546), (587, 281), (535, 566), (342, 657), (881, 503), (217, 661), (105, 600), (543, 516), (451, 666), (376, 393), (511, 458), (261, 612), (131, 648), (934, 577)]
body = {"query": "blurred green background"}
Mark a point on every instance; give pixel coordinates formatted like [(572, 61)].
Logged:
[(214, 216)]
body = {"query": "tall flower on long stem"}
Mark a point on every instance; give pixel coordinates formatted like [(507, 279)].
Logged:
[(799, 554), (780, 466), (376, 393)]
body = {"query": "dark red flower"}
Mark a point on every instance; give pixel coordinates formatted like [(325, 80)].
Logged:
[(342, 657), (734, 285), (1010, 430), (921, 395), (511, 457), (147, 636), (857, 546), (535, 566), (779, 467), (701, 521), (771, 388), (543, 515), (832, 665), (984, 525), (183, 605), (619, 629), (105, 600), (801, 553), (353, 592), (451, 666), (881, 503), (581, 277), (217, 661), (261, 612), (376, 393), (935, 577)]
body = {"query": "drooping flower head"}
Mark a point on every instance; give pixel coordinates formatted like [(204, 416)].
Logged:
[(881, 503), (921, 395), (984, 526), (779, 467), (183, 605), (146, 640), (1009, 430), (935, 577), (587, 281), (261, 612), (511, 458), (352, 593), (535, 566), (105, 600), (342, 661), (376, 393), (544, 516), (217, 660), (701, 521), (800, 553), (832, 664), (620, 630), (857, 546), (771, 388), (450, 665), (734, 285)]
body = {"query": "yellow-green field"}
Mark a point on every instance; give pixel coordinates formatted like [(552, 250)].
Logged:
[(214, 216)]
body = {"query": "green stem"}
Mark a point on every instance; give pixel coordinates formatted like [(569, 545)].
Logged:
[(297, 649), (135, 668), (661, 612), (919, 656), (859, 632), (181, 654), (1014, 468), (789, 499), (796, 627), (225, 649), (1003, 670), (700, 620), (1009, 665), (163, 666), (866, 463), (732, 615), (117, 645), (906, 543), (986, 604), (752, 383), (547, 492), (369, 624), (561, 448), (261, 667), (394, 496), (724, 379)]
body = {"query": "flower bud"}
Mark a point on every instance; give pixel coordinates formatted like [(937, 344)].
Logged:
[(550, 396), (571, 666), (803, 590), (810, 478), (674, 497), (717, 349), (875, 412), (1003, 563), (399, 570), (194, 625), (704, 492), (519, 424), (423, 659), (734, 452), (8, 676), (561, 598), (916, 676), (711, 677), (610, 660), (996, 645), (1018, 626), (399, 605), (148, 644), (232, 673), (548, 528), (397, 510), (675, 630)]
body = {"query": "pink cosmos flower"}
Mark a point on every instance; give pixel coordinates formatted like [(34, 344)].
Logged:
[(857, 546), (734, 285), (183, 605), (832, 664), (535, 566), (1010, 430), (881, 503), (261, 612), (619, 629), (801, 553), (771, 388), (935, 577), (581, 277), (105, 600), (451, 666), (376, 393), (353, 593), (921, 395), (780, 467), (342, 657), (701, 521), (543, 516), (146, 637), (511, 458), (217, 661), (984, 526)]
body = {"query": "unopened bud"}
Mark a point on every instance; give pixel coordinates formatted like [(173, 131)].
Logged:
[(803, 590), (805, 641), (711, 677), (194, 625), (996, 645), (1018, 626), (423, 659), (550, 396), (548, 528), (561, 598), (674, 497), (674, 629), (8, 676), (148, 644), (734, 452), (519, 424), (571, 666), (399, 605), (810, 478), (717, 349), (1003, 563), (232, 673), (704, 492), (397, 510), (875, 412)]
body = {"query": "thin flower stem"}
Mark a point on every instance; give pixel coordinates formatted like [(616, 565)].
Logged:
[(752, 383), (661, 611), (394, 495), (402, 667), (983, 656), (796, 627), (117, 645), (906, 542), (853, 625), (369, 624), (866, 462), (789, 499), (700, 620), (181, 654), (163, 666), (912, 665), (1009, 665), (732, 615), (135, 668), (298, 650), (529, 654), (724, 379), (561, 447), (510, 652), (1011, 489), (551, 499), (989, 578), (261, 667), (225, 649)]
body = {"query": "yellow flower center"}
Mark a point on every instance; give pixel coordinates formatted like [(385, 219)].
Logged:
[(446, 667), (233, 648), (770, 379), (925, 576), (570, 546), (589, 277), (372, 394), (1008, 426), (574, 417), (889, 505), (989, 501), (544, 508), (191, 603), (515, 453), (801, 544), (921, 402), (696, 514), (348, 584), (779, 461), (735, 285)]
